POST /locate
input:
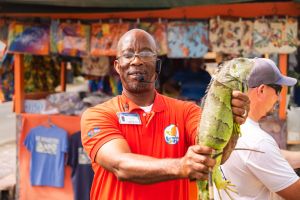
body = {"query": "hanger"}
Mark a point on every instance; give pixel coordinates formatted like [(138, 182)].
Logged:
[(49, 122)]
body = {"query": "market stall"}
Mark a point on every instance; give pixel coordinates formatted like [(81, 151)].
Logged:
[(200, 19), (26, 190)]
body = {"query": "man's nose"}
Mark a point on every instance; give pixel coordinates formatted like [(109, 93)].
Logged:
[(136, 60)]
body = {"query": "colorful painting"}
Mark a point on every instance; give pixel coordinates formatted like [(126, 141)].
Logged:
[(230, 37), (3, 31), (3, 39), (70, 39), (105, 38), (247, 39), (187, 39), (7, 78), (2, 51), (275, 36), (40, 73), (159, 31), (28, 38)]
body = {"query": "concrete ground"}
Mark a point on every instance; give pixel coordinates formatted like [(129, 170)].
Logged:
[(7, 123), (7, 146)]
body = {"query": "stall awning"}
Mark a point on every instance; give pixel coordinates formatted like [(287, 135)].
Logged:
[(124, 4), (108, 5)]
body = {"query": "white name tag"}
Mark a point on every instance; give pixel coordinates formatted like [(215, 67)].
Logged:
[(129, 118)]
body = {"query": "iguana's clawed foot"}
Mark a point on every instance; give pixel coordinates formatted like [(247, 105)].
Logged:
[(227, 186)]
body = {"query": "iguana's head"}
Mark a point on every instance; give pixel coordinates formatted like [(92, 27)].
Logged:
[(240, 68), (235, 73)]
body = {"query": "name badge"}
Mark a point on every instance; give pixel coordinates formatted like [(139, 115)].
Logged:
[(129, 118)]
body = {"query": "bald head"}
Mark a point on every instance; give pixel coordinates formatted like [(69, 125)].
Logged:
[(135, 37)]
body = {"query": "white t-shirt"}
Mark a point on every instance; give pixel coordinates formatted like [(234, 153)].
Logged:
[(255, 175), (147, 109)]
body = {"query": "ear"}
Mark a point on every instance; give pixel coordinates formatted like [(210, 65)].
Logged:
[(261, 91), (117, 66)]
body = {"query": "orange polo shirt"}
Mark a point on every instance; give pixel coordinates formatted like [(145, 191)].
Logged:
[(166, 132)]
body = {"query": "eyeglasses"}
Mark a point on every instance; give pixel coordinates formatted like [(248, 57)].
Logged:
[(145, 56), (277, 88)]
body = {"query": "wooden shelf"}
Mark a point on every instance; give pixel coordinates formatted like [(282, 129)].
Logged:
[(37, 95), (293, 142)]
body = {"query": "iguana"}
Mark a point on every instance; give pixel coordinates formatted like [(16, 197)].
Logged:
[(217, 128)]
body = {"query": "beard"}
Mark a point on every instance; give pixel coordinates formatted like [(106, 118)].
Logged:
[(273, 111), (136, 87)]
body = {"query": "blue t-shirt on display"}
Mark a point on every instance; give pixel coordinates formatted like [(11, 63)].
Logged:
[(82, 172), (48, 146)]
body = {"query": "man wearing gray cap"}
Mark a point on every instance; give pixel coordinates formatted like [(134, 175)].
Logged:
[(257, 174)]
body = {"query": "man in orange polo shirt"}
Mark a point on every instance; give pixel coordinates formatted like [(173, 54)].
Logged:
[(142, 144)]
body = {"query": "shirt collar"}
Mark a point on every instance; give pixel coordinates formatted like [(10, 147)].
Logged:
[(128, 105), (250, 121)]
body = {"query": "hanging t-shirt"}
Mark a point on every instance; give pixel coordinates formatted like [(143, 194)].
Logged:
[(82, 172), (48, 147)]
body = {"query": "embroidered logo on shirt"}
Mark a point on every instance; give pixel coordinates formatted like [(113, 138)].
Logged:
[(93, 132), (171, 134)]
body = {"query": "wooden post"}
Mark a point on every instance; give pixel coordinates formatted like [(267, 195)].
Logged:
[(19, 83), (283, 61), (63, 76)]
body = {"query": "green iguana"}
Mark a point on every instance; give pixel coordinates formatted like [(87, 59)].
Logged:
[(217, 128)]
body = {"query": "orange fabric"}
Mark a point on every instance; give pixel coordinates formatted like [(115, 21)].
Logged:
[(193, 191), (100, 124), (71, 124)]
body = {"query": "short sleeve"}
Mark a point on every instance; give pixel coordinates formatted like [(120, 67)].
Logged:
[(29, 140), (192, 114), (271, 168), (98, 126)]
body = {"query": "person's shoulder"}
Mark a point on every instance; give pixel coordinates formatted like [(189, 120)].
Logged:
[(254, 136), (109, 106)]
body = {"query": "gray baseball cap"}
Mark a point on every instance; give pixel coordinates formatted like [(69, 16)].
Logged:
[(266, 72)]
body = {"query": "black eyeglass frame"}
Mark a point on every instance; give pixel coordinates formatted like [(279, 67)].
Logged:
[(153, 55)]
